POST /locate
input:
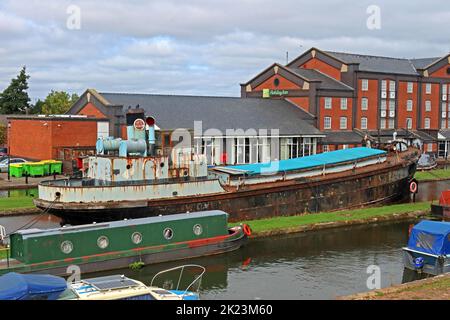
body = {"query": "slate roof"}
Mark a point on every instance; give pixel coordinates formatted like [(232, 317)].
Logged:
[(377, 63), (342, 137), (327, 82), (424, 62), (177, 111)]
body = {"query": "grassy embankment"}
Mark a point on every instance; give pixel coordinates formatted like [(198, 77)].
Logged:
[(2, 253), (16, 203), (436, 174), (284, 223)]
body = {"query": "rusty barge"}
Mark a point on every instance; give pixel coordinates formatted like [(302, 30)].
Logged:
[(133, 184)]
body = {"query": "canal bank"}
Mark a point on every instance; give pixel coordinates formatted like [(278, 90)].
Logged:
[(436, 288)]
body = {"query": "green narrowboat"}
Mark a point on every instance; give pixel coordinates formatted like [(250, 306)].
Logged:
[(111, 245)]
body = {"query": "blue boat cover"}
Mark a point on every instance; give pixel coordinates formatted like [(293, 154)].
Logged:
[(320, 159), (16, 286), (430, 237)]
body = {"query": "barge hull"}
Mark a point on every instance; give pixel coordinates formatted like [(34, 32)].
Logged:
[(353, 190), (124, 262)]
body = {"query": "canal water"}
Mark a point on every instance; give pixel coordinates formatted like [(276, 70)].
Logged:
[(323, 264)]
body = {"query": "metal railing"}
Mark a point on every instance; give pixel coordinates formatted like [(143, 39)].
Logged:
[(182, 268)]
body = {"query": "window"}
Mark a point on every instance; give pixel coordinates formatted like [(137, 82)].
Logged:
[(383, 105), (428, 88), (391, 104), (168, 233), (383, 85), (427, 123), (364, 84), (383, 124), (327, 103), (444, 89), (343, 103), (67, 247), (327, 122), (443, 123), (409, 123), (409, 88), (391, 124), (409, 105), (344, 146), (326, 148), (364, 104), (136, 237), (391, 86), (102, 242), (429, 147), (197, 229), (276, 82), (363, 123), (428, 105), (343, 123)]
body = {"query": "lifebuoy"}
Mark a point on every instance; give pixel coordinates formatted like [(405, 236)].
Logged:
[(247, 230), (413, 186)]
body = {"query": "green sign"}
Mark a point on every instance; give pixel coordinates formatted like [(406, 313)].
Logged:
[(267, 93)]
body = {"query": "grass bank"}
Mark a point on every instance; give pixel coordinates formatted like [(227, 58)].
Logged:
[(435, 174), (3, 253), (436, 288), (14, 203), (295, 223)]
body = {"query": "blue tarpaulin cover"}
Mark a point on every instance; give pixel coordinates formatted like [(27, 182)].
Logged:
[(16, 286), (430, 237), (320, 159)]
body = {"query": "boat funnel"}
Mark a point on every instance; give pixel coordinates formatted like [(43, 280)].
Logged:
[(150, 121), (135, 123)]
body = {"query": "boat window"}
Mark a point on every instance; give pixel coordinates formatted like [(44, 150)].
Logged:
[(136, 237), (66, 247), (168, 233), (102, 242), (198, 230)]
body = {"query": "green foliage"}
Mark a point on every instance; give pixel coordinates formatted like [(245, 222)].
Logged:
[(3, 134), (37, 107), (136, 265), (16, 203), (58, 102), (14, 99)]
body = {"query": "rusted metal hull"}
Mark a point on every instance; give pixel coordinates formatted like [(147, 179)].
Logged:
[(352, 189)]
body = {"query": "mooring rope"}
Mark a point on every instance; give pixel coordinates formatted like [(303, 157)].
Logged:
[(34, 220)]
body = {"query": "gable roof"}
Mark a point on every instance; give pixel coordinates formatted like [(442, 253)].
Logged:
[(326, 82), (178, 111), (377, 63), (422, 63)]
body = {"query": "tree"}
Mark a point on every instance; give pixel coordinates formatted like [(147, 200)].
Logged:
[(58, 102), (14, 99), (37, 107)]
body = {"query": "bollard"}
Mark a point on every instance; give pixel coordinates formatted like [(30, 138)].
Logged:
[(54, 175), (26, 178)]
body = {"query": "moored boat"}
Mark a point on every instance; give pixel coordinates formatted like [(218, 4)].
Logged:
[(428, 249), (119, 244)]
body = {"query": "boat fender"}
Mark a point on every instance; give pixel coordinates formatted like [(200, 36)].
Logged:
[(419, 263), (413, 186), (247, 230)]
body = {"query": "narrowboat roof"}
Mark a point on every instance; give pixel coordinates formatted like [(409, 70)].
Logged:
[(430, 237), (122, 223), (322, 159)]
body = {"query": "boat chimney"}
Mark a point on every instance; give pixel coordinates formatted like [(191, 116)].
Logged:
[(135, 123), (150, 121)]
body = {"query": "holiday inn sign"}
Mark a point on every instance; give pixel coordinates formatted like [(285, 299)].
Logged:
[(267, 93)]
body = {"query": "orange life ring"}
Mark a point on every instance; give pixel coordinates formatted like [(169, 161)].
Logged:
[(413, 187), (247, 230)]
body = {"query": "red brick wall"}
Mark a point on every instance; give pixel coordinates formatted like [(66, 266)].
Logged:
[(317, 64), (441, 73), (302, 102), (435, 101), (335, 113), (90, 110), (284, 84), (403, 97), (372, 109), (37, 139)]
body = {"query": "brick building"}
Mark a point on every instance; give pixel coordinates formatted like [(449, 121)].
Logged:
[(351, 95), (61, 137)]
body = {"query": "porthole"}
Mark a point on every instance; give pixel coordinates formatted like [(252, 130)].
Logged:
[(102, 242), (198, 230), (136, 237), (67, 247), (168, 233), (276, 82)]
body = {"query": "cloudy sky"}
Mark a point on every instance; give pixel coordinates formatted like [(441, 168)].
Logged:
[(202, 47)]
